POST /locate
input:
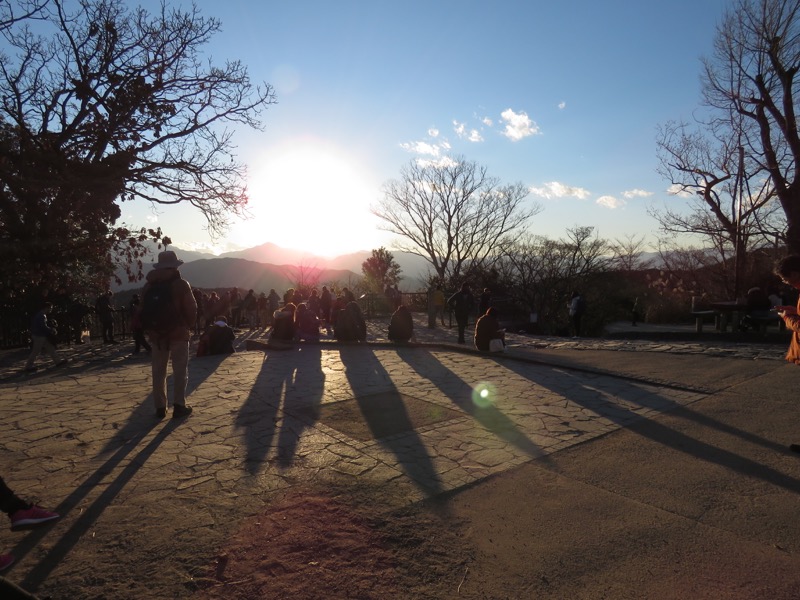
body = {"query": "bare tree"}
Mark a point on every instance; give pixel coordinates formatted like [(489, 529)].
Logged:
[(753, 74), (453, 214), (731, 201), (104, 105), (542, 272), (627, 254)]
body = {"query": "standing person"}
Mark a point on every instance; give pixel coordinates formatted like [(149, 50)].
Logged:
[(139, 340), (325, 303), (250, 304), (577, 306), (262, 306), (438, 304), (43, 335), (462, 302), (485, 301), (169, 311), (104, 307), (273, 303)]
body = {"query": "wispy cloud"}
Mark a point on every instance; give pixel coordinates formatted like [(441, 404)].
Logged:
[(433, 132), (423, 148), (518, 125), (610, 202), (676, 190), (556, 189), (487, 121), (472, 135), (562, 105), (636, 193)]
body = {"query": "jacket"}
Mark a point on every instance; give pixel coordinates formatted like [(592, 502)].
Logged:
[(184, 300)]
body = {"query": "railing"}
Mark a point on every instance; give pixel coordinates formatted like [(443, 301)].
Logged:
[(15, 328)]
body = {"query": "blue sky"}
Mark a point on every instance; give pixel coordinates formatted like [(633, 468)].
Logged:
[(563, 96)]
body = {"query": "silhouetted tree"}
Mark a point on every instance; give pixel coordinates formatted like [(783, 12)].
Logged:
[(380, 270), (103, 105)]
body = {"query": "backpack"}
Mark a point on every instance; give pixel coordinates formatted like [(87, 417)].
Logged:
[(159, 313)]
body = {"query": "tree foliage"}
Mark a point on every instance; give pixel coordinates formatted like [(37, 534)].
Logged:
[(380, 270), (453, 214), (102, 105)]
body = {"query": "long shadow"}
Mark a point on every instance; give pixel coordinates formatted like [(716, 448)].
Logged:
[(583, 394), (488, 416), (258, 415), (144, 414), (362, 368), (308, 374), (89, 516)]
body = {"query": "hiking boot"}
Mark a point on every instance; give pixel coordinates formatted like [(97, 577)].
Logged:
[(161, 412), (179, 411), (32, 516), (6, 560)]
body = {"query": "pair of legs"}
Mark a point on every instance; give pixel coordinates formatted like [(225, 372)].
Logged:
[(164, 351), (461, 321), (23, 515), (139, 341), (40, 344)]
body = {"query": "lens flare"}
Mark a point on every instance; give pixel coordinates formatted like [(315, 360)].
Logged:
[(484, 394)]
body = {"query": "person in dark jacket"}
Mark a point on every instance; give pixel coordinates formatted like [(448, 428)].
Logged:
[(43, 334), (462, 302), (221, 337), (487, 329), (401, 327)]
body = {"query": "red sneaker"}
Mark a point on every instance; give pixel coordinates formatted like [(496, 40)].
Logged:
[(6, 560), (32, 516)]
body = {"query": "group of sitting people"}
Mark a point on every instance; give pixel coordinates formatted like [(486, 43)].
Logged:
[(293, 323)]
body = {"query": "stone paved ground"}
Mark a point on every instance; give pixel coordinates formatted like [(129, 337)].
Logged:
[(84, 435)]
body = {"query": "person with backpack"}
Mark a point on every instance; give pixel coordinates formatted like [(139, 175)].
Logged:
[(462, 302), (168, 315)]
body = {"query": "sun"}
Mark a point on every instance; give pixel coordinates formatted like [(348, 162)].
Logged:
[(310, 195)]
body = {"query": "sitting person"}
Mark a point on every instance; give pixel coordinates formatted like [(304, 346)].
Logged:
[(487, 329), (757, 306), (306, 324), (283, 329), (221, 337), (401, 327), (350, 325)]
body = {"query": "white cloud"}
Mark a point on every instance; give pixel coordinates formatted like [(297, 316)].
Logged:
[(433, 132), (444, 161), (676, 190), (610, 202), (518, 125), (472, 135), (421, 148), (487, 121), (562, 105), (636, 193), (555, 189)]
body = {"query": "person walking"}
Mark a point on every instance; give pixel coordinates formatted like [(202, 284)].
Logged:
[(462, 303), (43, 335), (168, 315), (139, 340)]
